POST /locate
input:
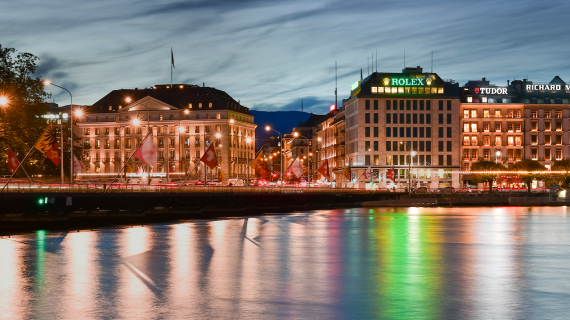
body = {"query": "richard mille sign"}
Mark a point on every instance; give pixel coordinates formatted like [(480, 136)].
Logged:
[(547, 87)]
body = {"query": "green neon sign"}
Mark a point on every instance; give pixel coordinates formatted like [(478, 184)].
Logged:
[(355, 86), (407, 82)]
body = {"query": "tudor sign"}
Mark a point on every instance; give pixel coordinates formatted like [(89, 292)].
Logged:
[(490, 90)]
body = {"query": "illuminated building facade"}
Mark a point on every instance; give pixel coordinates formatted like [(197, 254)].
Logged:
[(404, 120), (184, 120), (330, 143)]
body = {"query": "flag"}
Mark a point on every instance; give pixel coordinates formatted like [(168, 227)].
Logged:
[(324, 169), (368, 172), (221, 174), (296, 168), (172, 57), (209, 158), (47, 144), (129, 168), (13, 162), (171, 170), (390, 175), (140, 170), (259, 165), (147, 152), (78, 166)]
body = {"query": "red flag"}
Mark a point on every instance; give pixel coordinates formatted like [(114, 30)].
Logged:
[(296, 168), (147, 152), (13, 162), (171, 170), (209, 158), (53, 153), (390, 174), (324, 169)]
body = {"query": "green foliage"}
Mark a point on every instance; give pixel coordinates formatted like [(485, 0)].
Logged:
[(20, 119), (482, 165), (529, 165), (562, 165)]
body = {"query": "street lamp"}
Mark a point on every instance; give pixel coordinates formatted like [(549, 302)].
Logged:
[(3, 103), (48, 83), (268, 128), (497, 155), (248, 141), (297, 135), (412, 155)]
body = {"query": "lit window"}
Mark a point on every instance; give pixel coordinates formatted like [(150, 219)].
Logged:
[(380, 89), (407, 90), (498, 140), (469, 99), (486, 140), (374, 89), (533, 154), (474, 127), (388, 90), (433, 90), (558, 154), (473, 113), (400, 89), (486, 154), (421, 90), (533, 114), (558, 114), (465, 140), (473, 140), (210, 105), (510, 140), (440, 90), (486, 126), (497, 113), (486, 113), (190, 106), (484, 99), (466, 127), (200, 105), (218, 116), (465, 113), (547, 139), (414, 90), (160, 117), (517, 113), (547, 114)]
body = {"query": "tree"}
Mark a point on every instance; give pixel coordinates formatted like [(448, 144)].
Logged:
[(529, 166), (21, 123), (489, 166), (562, 165)]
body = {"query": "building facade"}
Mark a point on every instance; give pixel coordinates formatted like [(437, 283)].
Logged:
[(409, 121), (330, 143), (184, 121)]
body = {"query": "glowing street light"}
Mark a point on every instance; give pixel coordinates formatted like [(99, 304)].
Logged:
[(182, 129), (3, 101), (219, 135), (79, 113), (268, 128), (136, 122), (128, 99)]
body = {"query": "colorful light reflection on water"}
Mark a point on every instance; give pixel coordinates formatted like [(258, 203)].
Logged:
[(416, 263)]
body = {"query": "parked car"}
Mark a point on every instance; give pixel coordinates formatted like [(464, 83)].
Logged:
[(447, 190)]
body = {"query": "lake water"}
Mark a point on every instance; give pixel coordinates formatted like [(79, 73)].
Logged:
[(393, 263)]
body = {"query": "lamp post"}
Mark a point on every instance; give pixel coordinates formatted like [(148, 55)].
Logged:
[(248, 141), (412, 155), (268, 128), (47, 83), (3, 103)]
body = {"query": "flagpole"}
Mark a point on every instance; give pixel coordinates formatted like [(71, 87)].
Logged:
[(126, 162), (260, 149), (17, 169), (183, 182)]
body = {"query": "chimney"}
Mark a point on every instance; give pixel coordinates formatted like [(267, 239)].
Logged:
[(484, 79), (508, 82)]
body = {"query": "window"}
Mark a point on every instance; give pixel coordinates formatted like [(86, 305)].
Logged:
[(558, 154), (440, 104), (389, 105), (547, 114), (428, 132), (367, 118), (440, 132), (510, 127), (486, 154), (497, 127), (469, 99), (558, 115), (510, 113), (415, 104), (449, 118), (473, 126), (473, 141), (388, 146), (422, 146), (161, 117), (485, 126), (440, 160), (449, 160), (558, 125), (97, 131), (375, 145), (375, 104), (517, 113), (367, 146), (518, 140), (440, 146), (558, 139), (518, 127), (375, 118), (466, 127), (376, 132), (448, 103), (497, 113), (486, 140), (466, 141), (486, 113), (440, 118), (465, 113), (422, 118), (473, 113), (367, 132), (428, 105), (498, 141), (547, 126), (533, 114), (473, 154), (510, 141), (428, 146), (449, 132), (408, 132), (465, 154), (422, 132), (128, 143), (484, 99), (408, 118), (428, 118), (547, 139), (367, 105), (200, 105), (415, 132), (534, 139), (87, 131), (408, 104), (415, 118)]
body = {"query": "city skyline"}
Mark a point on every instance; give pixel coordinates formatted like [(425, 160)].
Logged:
[(272, 56)]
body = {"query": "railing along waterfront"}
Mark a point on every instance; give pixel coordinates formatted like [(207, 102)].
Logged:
[(20, 187)]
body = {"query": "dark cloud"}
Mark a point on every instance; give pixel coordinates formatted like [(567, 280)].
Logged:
[(272, 54)]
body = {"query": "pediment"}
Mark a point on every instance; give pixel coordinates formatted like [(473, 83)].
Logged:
[(148, 103)]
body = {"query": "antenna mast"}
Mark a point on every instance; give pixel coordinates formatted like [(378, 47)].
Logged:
[(432, 61), (335, 87), (376, 60), (404, 59)]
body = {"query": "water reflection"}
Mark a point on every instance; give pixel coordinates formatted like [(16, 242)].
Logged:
[(416, 263)]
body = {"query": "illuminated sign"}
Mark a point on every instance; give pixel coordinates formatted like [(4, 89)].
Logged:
[(355, 86), (406, 82), (546, 87), (490, 90)]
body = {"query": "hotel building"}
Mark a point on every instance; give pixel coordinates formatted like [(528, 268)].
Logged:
[(184, 120)]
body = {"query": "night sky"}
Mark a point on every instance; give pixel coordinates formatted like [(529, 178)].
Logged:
[(271, 54)]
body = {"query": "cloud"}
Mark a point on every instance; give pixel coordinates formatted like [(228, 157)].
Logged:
[(273, 54)]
